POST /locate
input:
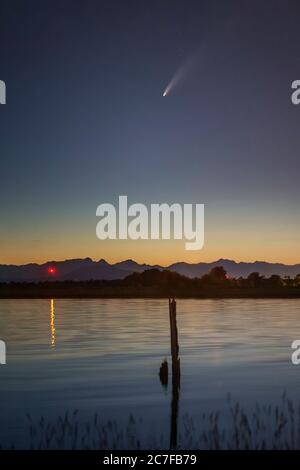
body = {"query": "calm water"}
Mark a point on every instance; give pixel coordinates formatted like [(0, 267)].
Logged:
[(104, 356)]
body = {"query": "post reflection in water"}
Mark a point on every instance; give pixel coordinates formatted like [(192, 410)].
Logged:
[(164, 371), (175, 373), (52, 323), (174, 403)]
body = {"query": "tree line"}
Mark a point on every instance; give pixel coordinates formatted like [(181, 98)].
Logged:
[(160, 283)]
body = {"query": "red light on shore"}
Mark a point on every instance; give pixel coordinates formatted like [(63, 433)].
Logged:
[(51, 270)]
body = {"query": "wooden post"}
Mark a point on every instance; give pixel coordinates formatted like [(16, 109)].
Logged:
[(173, 329)]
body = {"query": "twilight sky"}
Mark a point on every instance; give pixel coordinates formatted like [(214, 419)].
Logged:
[(85, 121)]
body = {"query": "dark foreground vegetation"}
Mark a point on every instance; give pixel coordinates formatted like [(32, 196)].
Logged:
[(257, 428), (160, 284)]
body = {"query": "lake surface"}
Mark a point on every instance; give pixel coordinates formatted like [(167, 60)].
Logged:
[(104, 356)]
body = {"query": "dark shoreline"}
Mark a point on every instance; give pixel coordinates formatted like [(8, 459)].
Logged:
[(79, 293), (155, 284)]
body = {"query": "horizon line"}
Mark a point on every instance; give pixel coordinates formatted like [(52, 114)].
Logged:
[(147, 264)]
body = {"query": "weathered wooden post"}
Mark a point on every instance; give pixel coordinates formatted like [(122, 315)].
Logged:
[(173, 328)]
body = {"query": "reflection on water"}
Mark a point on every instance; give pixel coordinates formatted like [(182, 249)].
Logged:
[(175, 373), (52, 323), (164, 371), (109, 352), (175, 403)]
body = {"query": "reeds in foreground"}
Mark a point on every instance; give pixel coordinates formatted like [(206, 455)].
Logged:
[(261, 427)]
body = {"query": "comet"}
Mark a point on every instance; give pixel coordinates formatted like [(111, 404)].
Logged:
[(194, 63), (184, 70), (179, 75)]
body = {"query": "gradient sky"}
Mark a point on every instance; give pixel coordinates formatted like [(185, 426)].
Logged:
[(85, 121)]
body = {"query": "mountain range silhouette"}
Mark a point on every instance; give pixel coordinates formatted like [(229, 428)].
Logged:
[(88, 269)]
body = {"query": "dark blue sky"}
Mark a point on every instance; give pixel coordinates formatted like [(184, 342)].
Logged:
[(85, 121)]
